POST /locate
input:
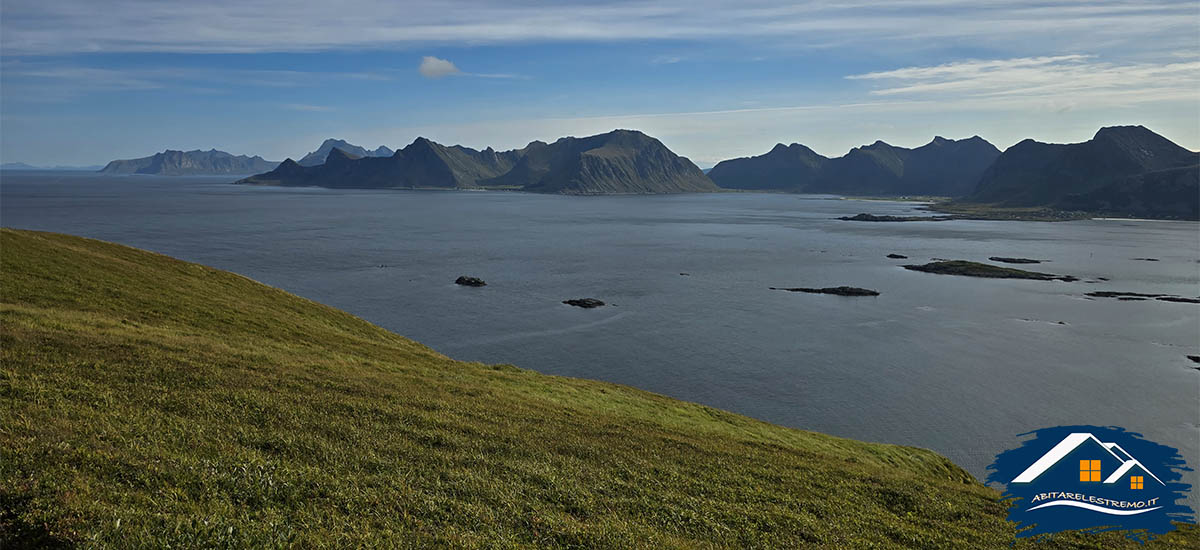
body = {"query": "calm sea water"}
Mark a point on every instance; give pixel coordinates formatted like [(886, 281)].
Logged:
[(958, 365)]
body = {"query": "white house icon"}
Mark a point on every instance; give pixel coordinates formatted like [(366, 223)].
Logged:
[(1072, 442)]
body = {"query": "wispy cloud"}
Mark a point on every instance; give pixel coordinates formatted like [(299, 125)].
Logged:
[(436, 67), (1064, 80), (36, 27), (43, 81), (307, 108)]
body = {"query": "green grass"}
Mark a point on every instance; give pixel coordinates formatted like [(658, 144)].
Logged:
[(147, 402)]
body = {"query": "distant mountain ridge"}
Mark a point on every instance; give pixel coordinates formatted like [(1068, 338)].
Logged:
[(15, 166), (1122, 170), (318, 157), (190, 163), (621, 161), (942, 167)]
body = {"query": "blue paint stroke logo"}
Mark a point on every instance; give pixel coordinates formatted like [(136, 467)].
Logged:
[(1094, 479)]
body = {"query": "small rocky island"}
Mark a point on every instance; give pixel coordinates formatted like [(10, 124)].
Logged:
[(469, 281), (836, 290), (897, 256), (864, 217), (1140, 296), (586, 303), (1008, 260), (976, 269)]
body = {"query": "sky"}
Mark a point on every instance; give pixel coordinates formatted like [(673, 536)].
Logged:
[(86, 81)]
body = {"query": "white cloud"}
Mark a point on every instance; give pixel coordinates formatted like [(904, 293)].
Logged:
[(435, 67), (44, 81), (36, 27), (1055, 82)]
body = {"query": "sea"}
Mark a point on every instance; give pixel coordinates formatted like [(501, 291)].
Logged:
[(959, 365)]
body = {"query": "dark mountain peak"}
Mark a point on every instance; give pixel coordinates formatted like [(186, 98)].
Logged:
[(1141, 148), (193, 163), (621, 132), (288, 162), (623, 161), (1130, 131), (317, 157), (1123, 170), (627, 138), (879, 144), (943, 167), (338, 156), (785, 167), (423, 144), (620, 161), (795, 150), (973, 142)]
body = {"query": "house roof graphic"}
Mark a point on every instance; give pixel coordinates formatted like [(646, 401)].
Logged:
[(1072, 442)]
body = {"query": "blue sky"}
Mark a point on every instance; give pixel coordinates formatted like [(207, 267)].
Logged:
[(84, 82)]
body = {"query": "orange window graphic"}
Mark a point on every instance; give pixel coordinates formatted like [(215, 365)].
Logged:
[(1135, 482), (1089, 470)]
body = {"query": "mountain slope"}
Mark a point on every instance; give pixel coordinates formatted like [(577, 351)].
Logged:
[(318, 157), (618, 162), (1123, 170), (190, 163), (785, 168), (150, 402), (947, 167), (621, 161), (422, 164), (942, 167), (15, 166)]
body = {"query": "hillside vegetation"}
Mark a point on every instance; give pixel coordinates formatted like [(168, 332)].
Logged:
[(147, 402)]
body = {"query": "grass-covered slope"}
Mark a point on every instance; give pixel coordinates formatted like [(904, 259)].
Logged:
[(149, 402)]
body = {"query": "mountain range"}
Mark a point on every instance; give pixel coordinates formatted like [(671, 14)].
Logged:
[(1122, 171), (621, 161), (943, 167), (214, 162), (16, 166), (318, 157), (190, 163)]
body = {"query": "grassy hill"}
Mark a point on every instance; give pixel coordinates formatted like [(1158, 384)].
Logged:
[(149, 402)]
